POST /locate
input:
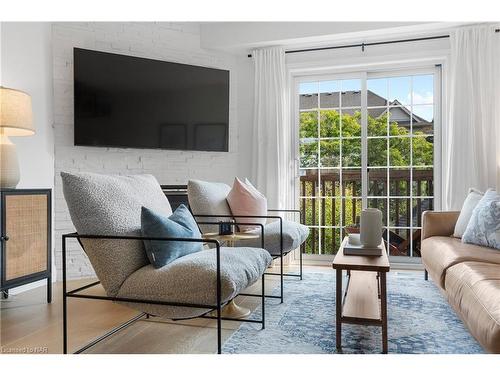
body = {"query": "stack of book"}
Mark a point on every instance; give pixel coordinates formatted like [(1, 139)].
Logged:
[(355, 247)]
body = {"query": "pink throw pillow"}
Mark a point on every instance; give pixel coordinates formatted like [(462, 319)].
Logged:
[(245, 199)]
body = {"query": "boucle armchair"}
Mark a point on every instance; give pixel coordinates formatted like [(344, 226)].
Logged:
[(207, 201), (105, 211)]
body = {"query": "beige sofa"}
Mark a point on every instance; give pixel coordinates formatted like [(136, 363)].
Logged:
[(468, 275)]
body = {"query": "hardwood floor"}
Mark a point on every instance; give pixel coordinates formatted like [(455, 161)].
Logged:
[(29, 324)]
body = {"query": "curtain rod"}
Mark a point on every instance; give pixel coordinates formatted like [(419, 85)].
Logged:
[(363, 45)]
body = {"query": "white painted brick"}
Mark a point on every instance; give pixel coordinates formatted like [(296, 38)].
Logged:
[(171, 41)]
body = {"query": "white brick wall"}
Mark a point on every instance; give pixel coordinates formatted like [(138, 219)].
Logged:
[(178, 42)]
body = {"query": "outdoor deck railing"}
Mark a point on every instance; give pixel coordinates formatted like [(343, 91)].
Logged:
[(402, 210)]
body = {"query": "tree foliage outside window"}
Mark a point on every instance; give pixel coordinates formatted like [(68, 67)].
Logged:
[(337, 134), (330, 127)]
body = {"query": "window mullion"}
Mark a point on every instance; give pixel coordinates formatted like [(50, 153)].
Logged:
[(364, 142)]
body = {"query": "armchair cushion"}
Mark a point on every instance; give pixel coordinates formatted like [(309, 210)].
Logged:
[(192, 279), (208, 198), (245, 200), (180, 225), (294, 234), (111, 205)]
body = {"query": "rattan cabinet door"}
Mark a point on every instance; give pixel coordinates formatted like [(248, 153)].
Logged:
[(26, 227)]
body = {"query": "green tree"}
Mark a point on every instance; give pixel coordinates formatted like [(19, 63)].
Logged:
[(332, 125), (348, 126)]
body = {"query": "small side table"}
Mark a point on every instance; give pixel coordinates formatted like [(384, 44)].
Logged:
[(232, 310), (25, 238), (365, 298)]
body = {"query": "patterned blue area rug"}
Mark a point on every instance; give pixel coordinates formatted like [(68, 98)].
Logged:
[(420, 321)]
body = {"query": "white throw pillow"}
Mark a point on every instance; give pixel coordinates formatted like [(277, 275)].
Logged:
[(484, 225), (208, 198), (470, 203), (245, 199)]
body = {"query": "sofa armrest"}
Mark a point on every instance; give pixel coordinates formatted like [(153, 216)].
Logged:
[(438, 223)]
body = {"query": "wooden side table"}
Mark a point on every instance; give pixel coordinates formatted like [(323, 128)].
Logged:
[(365, 297), (232, 310)]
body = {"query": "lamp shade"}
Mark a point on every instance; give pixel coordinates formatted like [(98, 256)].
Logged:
[(16, 118)]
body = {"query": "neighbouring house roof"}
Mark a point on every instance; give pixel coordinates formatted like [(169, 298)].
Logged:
[(332, 100)]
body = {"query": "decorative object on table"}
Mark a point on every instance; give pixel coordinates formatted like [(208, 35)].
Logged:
[(16, 120), (470, 203), (484, 225), (226, 227), (369, 241), (365, 298), (371, 227), (245, 200), (25, 238), (355, 247), (180, 224)]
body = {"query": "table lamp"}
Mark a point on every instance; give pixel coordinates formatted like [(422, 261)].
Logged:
[(15, 120)]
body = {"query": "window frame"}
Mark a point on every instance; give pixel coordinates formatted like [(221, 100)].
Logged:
[(365, 74)]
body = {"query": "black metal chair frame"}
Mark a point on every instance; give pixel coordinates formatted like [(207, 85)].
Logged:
[(217, 307), (181, 190), (281, 274)]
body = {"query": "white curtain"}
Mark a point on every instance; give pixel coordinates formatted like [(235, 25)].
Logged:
[(471, 137), (272, 162)]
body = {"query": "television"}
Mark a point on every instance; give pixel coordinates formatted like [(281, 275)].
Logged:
[(126, 101)]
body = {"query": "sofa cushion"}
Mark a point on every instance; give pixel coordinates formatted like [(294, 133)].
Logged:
[(440, 253), (111, 205), (470, 203), (473, 289), (192, 279), (294, 234), (484, 225), (180, 224), (208, 198), (245, 200)]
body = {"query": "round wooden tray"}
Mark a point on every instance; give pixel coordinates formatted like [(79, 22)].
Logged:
[(238, 236)]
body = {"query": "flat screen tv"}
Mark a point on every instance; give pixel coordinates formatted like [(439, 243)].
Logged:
[(125, 101)]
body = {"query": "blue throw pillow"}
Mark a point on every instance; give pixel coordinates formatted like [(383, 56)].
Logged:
[(180, 224), (484, 225)]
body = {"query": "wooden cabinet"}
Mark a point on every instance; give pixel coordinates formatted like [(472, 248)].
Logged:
[(25, 238)]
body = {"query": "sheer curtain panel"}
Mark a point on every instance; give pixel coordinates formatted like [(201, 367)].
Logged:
[(473, 113), (272, 164)]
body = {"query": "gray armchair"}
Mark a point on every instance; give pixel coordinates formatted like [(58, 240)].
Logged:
[(105, 211), (207, 201)]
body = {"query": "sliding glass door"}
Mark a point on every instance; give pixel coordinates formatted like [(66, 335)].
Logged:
[(366, 141)]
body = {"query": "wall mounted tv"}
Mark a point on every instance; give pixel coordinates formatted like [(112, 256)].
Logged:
[(125, 101)]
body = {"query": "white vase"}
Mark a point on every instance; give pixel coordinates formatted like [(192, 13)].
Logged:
[(371, 227)]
